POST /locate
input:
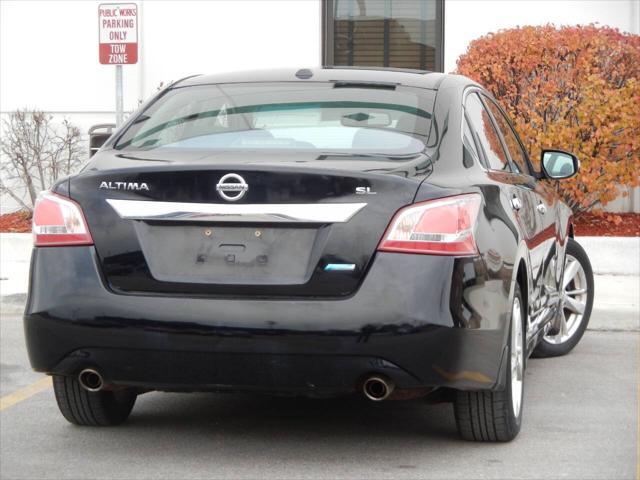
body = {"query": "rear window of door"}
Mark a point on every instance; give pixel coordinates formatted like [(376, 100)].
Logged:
[(516, 151), (486, 134)]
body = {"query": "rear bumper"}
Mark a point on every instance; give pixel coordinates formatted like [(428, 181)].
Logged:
[(422, 321)]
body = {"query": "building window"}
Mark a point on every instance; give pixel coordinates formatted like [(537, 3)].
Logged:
[(384, 33)]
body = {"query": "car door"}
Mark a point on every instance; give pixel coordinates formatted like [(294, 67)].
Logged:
[(518, 191), (543, 247)]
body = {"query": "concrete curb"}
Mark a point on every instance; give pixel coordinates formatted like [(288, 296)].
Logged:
[(16, 246), (613, 255), (616, 304), (13, 304), (614, 319), (15, 256)]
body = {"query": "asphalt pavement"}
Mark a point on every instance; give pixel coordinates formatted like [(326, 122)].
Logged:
[(581, 421)]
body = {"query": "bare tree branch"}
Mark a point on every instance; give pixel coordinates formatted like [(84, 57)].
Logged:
[(4, 189), (35, 153)]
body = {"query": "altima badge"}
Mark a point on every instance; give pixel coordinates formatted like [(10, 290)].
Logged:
[(133, 186), (234, 184)]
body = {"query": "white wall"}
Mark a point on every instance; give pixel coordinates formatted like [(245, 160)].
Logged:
[(466, 20)]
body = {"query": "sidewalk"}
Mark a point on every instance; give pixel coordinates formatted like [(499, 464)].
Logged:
[(615, 262)]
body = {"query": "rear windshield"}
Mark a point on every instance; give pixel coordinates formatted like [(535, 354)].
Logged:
[(327, 117)]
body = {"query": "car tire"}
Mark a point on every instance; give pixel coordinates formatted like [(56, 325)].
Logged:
[(554, 345), (97, 409), (486, 416)]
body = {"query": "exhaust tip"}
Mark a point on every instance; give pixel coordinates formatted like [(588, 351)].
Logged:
[(90, 380), (377, 388)]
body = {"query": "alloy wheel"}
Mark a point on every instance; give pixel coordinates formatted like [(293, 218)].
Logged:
[(574, 301), (517, 357)]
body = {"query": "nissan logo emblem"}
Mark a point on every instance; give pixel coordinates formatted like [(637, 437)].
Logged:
[(232, 187)]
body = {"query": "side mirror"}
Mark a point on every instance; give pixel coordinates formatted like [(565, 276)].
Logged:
[(98, 135), (557, 164)]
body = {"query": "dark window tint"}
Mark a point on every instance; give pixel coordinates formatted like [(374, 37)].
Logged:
[(518, 155), (384, 33), (486, 134)]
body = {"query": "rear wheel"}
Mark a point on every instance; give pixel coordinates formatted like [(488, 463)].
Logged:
[(577, 302), (98, 409), (496, 416)]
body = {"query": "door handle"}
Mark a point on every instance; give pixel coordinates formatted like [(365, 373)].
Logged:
[(541, 208), (516, 203)]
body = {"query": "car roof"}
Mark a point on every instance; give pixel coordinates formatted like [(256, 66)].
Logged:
[(396, 76)]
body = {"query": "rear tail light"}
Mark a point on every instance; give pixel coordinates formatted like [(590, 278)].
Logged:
[(59, 221), (435, 227)]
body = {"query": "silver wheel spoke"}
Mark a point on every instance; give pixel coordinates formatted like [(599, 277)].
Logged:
[(578, 291), (563, 327), (571, 269), (574, 305)]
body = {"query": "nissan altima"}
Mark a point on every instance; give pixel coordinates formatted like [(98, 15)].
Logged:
[(320, 232)]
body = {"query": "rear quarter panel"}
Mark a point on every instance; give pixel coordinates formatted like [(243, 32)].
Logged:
[(499, 238)]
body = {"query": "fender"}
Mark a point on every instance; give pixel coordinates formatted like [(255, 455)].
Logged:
[(522, 255)]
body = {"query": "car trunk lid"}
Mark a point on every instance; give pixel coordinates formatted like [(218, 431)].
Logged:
[(259, 227)]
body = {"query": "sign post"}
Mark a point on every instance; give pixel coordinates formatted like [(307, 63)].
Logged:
[(118, 34), (119, 108)]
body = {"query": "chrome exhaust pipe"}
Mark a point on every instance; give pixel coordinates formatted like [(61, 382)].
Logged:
[(91, 380), (377, 388)]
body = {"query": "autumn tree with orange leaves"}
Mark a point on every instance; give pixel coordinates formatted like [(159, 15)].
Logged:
[(574, 88)]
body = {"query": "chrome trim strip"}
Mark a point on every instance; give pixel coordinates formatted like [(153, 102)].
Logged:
[(222, 212)]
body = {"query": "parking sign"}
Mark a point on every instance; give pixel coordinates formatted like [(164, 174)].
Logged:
[(118, 27)]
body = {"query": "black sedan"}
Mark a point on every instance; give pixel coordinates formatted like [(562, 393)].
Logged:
[(315, 232)]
